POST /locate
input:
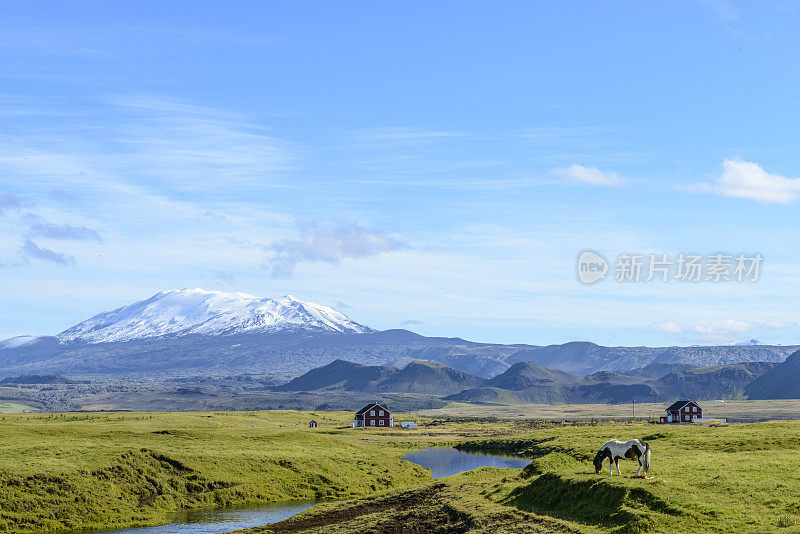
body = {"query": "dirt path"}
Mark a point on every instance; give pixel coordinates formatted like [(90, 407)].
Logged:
[(429, 510)]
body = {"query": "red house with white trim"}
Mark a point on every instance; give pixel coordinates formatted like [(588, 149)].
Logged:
[(373, 415), (683, 412)]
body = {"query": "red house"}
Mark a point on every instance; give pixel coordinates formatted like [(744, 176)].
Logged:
[(373, 415), (683, 412)]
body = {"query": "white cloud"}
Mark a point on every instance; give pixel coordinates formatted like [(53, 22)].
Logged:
[(716, 331), (589, 175), (667, 327), (31, 250), (744, 179), (329, 245)]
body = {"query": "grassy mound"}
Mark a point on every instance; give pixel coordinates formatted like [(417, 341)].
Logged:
[(134, 486), (553, 462), (597, 502)]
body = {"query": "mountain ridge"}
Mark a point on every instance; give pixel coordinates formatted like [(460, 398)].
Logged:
[(194, 332)]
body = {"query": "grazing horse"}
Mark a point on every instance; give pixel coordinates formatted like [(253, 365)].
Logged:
[(614, 450)]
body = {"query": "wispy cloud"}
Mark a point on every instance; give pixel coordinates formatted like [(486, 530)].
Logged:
[(187, 143), (9, 202), (318, 243), (727, 15), (405, 135), (724, 12), (589, 175), (41, 228), (744, 179), (151, 141), (31, 250)]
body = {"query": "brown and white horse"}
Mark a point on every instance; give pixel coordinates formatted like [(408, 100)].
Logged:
[(614, 450)]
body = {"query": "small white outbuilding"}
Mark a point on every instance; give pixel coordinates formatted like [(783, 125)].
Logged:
[(408, 424)]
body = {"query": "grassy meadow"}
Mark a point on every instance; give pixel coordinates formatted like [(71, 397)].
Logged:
[(92, 470), (706, 478), (61, 472), (736, 411)]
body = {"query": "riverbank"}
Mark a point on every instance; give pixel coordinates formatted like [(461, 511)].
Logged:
[(61, 472)]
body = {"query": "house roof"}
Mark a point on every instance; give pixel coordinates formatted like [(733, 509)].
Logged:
[(369, 406), (678, 405)]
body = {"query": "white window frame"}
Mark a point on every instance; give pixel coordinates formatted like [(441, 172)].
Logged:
[(380, 422)]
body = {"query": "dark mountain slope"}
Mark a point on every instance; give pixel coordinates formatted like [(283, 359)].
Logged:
[(416, 377), (341, 375), (704, 383), (524, 375), (657, 370), (431, 378), (530, 382), (781, 382), (607, 377), (486, 395)]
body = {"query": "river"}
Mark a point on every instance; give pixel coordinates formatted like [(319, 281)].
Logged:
[(442, 461)]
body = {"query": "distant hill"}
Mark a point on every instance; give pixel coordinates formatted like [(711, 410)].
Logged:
[(39, 379), (530, 382), (524, 375), (607, 377), (416, 377), (710, 382), (486, 395), (429, 377), (657, 370), (781, 382), (341, 375)]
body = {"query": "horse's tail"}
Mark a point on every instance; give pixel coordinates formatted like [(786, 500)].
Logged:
[(646, 457)]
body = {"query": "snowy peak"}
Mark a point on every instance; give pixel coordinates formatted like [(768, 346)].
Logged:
[(196, 311)]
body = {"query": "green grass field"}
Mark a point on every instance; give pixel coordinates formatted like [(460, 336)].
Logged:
[(103, 470), (706, 478), (739, 411)]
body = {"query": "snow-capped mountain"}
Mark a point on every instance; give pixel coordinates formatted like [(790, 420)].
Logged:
[(196, 311)]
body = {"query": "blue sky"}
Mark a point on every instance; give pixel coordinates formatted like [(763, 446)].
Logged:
[(434, 166)]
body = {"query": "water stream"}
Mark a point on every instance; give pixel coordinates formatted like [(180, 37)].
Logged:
[(442, 461)]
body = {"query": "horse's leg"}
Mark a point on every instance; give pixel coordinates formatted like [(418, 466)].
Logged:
[(616, 461), (611, 465), (640, 465)]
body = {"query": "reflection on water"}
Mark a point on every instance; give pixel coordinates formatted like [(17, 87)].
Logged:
[(446, 461), (211, 521)]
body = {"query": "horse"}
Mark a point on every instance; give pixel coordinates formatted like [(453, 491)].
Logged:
[(614, 450)]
